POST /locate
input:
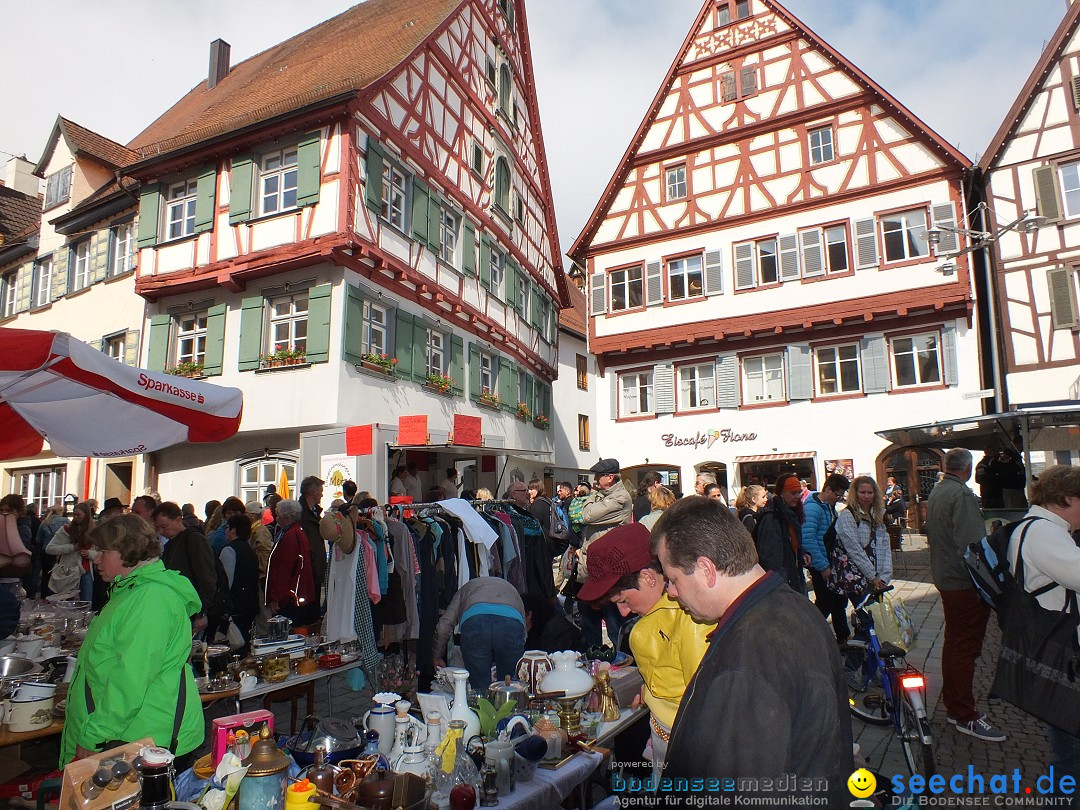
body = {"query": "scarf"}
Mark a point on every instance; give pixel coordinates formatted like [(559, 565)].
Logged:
[(793, 523)]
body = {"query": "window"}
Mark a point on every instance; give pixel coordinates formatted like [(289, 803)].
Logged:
[(58, 187), (487, 374), (519, 210), (768, 268), (113, 345), (637, 394), (738, 86), (477, 162), (523, 388), (436, 353), (821, 145), (626, 289), (8, 287), (43, 271), (583, 431), (524, 293), (582, 372), (685, 278), (506, 91), (191, 338), (449, 222), (278, 176), (697, 387), (502, 185), (393, 197), (723, 11), (763, 379), (838, 370), (903, 234), (255, 476), (676, 182), (374, 339), (916, 360), (836, 249), (123, 244), (496, 271), (1070, 188), (180, 209), (42, 487), (288, 323), (80, 265), (491, 71)]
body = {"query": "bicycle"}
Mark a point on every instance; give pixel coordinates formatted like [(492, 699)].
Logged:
[(885, 689)]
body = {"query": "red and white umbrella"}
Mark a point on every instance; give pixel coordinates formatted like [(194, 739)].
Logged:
[(84, 403)]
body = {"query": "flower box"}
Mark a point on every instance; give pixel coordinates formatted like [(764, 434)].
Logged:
[(376, 368), (270, 362), (542, 422), (438, 389), (491, 403)]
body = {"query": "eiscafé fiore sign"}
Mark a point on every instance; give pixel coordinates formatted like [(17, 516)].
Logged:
[(707, 438)]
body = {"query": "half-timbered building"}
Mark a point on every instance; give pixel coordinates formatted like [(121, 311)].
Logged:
[(762, 294)]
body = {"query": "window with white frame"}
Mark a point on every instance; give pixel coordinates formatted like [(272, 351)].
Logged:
[(123, 248), (191, 338), (1069, 173), (763, 379), (43, 487), (903, 235), (497, 271), (676, 182), (375, 321), (685, 278), (916, 360), (449, 222), (58, 187), (487, 373), (626, 289), (836, 248), (393, 195), (767, 264), (278, 177), (636, 394), (436, 352), (697, 386), (523, 387), (8, 288), (524, 294), (821, 144), (114, 346), (837, 370), (80, 265), (43, 277), (256, 476), (289, 323), (180, 209)]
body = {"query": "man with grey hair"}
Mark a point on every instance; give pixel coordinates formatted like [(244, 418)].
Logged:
[(954, 521), (311, 492)]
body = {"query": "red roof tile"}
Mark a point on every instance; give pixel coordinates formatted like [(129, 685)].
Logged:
[(576, 316), (346, 53), (20, 214), (83, 140)]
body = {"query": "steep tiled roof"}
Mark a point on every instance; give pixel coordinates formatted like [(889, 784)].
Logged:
[(575, 317), (20, 214), (346, 53), (83, 140)]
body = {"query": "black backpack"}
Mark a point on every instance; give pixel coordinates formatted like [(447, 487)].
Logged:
[(987, 563), (829, 539), (557, 528)]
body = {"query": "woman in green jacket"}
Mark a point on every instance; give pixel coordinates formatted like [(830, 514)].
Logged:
[(132, 678)]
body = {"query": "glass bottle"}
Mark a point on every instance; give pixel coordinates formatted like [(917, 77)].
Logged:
[(464, 771)]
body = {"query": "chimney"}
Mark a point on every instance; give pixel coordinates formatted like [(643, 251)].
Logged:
[(19, 175), (219, 62)]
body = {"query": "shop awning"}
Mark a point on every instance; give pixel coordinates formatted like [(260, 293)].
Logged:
[(465, 450), (772, 457), (1048, 426)]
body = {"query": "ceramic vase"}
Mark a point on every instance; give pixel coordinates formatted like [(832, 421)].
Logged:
[(532, 667), (460, 710)]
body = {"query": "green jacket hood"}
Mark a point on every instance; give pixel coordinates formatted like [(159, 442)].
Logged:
[(155, 571)]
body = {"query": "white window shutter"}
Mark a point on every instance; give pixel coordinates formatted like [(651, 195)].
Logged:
[(714, 272), (654, 284), (1063, 309), (707, 389), (800, 372), (789, 257), (948, 354), (613, 381), (744, 266), (727, 381), (813, 259), (874, 353), (1047, 195), (664, 388), (866, 254), (945, 214), (598, 286)]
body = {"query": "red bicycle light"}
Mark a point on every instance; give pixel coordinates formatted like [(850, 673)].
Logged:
[(913, 682)]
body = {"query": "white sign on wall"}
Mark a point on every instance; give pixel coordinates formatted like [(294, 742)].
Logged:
[(336, 470)]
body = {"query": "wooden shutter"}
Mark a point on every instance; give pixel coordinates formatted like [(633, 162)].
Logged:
[(511, 273), (507, 384), (468, 248), (1074, 84), (664, 388), (598, 288), (149, 202), (353, 332), (800, 372), (434, 222), (747, 81), (419, 210), (948, 354), (403, 342), (457, 370), (251, 332), (131, 348), (484, 271), (318, 325), (654, 283), (309, 169), (714, 272), (944, 214), (214, 361), (727, 381), (241, 178), (206, 199), (866, 252), (1063, 310), (727, 87), (536, 306), (1047, 194), (419, 349), (744, 266), (789, 257), (813, 258), (874, 353), (614, 384), (99, 261), (59, 274), (373, 182), (474, 370), (158, 353)]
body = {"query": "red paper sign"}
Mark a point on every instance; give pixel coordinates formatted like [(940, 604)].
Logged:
[(467, 430), (358, 440), (412, 430)]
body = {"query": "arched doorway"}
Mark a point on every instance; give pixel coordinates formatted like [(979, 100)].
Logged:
[(916, 471), (719, 470)]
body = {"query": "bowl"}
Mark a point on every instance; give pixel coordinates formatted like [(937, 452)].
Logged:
[(329, 661), (15, 666)]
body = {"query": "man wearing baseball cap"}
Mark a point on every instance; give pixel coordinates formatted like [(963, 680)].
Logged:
[(667, 643), (609, 505)]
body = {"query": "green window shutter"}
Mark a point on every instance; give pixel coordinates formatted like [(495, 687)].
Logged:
[(353, 347), (251, 332), (214, 362), (419, 349), (420, 210), (403, 342), (373, 185), (510, 282), (468, 248), (309, 169), (474, 369), (507, 384), (536, 306), (158, 356), (205, 199), (318, 328), (485, 262), (530, 393), (456, 371), (434, 221), (149, 200), (243, 170), (131, 348)]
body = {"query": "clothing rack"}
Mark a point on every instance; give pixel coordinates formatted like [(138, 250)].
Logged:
[(438, 507)]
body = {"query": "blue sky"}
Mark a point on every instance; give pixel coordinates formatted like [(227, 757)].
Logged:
[(114, 65)]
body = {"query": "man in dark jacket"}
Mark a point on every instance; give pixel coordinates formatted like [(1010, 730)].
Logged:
[(311, 490), (768, 706), (819, 514), (187, 551), (779, 532)]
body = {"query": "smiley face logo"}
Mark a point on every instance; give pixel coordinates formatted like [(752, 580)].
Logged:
[(861, 783)]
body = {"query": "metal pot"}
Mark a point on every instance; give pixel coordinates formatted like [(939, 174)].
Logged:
[(14, 669), (340, 739), (508, 691)]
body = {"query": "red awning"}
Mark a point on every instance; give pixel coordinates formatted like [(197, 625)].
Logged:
[(773, 457)]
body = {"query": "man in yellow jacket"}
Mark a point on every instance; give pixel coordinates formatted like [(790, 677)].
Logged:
[(667, 643)]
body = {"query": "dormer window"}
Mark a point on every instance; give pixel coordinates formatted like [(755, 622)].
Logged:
[(58, 187)]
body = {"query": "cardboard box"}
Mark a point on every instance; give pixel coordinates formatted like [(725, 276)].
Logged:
[(627, 683), (251, 722)]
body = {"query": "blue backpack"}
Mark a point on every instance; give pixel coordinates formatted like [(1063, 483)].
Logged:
[(987, 563)]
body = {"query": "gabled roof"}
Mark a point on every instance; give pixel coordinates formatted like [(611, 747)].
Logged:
[(85, 142), (111, 198), (575, 317), (20, 214), (909, 119), (1051, 55), (346, 53)]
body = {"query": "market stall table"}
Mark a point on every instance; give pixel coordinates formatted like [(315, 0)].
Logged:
[(265, 687)]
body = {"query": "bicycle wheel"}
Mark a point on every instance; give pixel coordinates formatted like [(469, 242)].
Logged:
[(866, 696), (918, 754)]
